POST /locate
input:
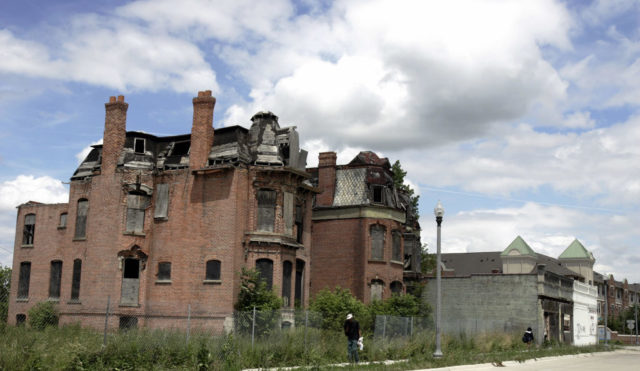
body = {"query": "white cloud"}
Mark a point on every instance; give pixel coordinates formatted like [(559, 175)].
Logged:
[(80, 156)]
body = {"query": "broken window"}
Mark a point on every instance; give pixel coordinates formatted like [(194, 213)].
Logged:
[(136, 205), (29, 229), (63, 220), (162, 201), (213, 270), (81, 218), (75, 281), (180, 148), (23, 280), (377, 242), (138, 145), (377, 286), (377, 194), (299, 289), (299, 224), (164, 271), (266, 210), (287, 268), (396, 287), (21, 318), (396, 246), (265, 267), (128, 323), (54, 279)]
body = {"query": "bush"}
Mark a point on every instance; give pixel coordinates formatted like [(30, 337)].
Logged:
[(334, 306), (42, 315)]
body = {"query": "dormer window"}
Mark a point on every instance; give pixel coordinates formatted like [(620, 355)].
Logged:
[(138, 145), (377, 194)]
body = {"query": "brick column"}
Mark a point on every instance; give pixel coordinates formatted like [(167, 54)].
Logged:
[(115, 128), (326, 178), (202, 130)]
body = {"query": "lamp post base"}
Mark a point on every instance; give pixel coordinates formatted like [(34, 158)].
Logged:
[(437, 354)]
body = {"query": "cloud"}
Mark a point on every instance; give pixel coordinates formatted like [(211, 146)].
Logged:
[(80, 156)]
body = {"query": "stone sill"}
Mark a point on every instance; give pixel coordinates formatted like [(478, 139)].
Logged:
[(22, 300), (212, 282), (27, 246), (136, 234), (129, 305), (79, 238), (371, 261), (54, 300), (163, 282), (397, 262), (74, 302), (62, 227)]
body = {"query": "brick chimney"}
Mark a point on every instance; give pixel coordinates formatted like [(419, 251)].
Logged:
[(202, 130), (326, 178), (115, 128)]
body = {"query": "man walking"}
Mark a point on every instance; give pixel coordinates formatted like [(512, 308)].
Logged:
[(352, 330)]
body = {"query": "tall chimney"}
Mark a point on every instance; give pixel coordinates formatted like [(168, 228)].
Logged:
[(115, 129), (202, 130), (326, 178)]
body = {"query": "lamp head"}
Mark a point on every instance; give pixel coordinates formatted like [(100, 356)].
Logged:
[(439, 210)]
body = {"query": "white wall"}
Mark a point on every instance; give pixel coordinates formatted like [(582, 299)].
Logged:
[(585, 316)]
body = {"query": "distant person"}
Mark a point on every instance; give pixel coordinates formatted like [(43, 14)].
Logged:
[(527, 338), (352, 331)]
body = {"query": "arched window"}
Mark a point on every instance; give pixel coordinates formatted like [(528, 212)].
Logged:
[(136, 205), (299, 289), (81, 218), (55, 277), (63, 221), (213, 270), (377, 286), (287, 268), (265, 267), (75, 281), (23, 280), (377, 242), (29, 230), (266, 209)]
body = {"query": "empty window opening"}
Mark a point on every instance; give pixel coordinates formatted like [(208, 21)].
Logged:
[(396, 287), (138, 144), (287, 268), (180, 148), (131, 268), (164, 271), (81, 218), (265, 268), (63, 220), (130, 282), (75, 281), (299, 224), (266, 210), (377, 194), (21, 319), (29, 229), (213, 270), (299, 288), (136, 206), (128, 323), (377, 242), (377, 286), (396, 247), (55, 277), (23, 280)]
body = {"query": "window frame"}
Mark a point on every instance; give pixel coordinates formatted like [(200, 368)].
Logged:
[(373, 248), (164, 272), (264, 273), (63, 217), (267, 200), (81, 219), (76, 279), (29, 229), (396, 249), (55, 279), (135, 145), (24, 278), (216, 268)]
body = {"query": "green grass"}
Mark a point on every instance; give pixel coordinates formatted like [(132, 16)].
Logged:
[(76, 348)]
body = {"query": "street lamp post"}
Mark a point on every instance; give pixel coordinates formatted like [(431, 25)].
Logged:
[(439, 213)]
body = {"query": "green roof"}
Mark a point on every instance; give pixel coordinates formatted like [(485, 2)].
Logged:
[(521, 246), (576, 251)]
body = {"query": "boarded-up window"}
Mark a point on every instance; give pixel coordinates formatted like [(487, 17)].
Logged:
[(29, 229), (63, 220), (299, 289), (288, 206), (213, 270), (75, 281), (23, 280), (377, 242), (299, 224), (287, 268), (81, 218), (266, 210), (396, 287), (55, 277), (396, 246), (377, 287), (136, 205), (162, 201), (265, 267), (164, 271)]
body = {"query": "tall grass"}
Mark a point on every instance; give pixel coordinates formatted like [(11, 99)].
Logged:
[(76, 348)]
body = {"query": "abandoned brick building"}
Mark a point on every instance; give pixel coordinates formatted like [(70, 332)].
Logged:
[(159, 223), (366, 237)]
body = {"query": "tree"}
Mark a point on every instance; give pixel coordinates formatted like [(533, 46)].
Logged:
[(398, 181), (427, 261), (5, 285), (255, 294), (333, 307), (42, 315)]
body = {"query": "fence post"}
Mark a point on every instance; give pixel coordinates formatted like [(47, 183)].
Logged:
[(106, 322), (411, 329), (188, 321), (253, 326), (384, 326), (306, 321)]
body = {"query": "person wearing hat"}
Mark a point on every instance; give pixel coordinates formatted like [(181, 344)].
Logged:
[(352, 331), (527, 338)]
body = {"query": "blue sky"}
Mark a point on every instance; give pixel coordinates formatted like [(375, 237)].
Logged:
[(522, 117)]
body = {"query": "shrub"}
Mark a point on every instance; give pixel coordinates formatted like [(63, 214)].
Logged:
[(334, 306), (42, 315)]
